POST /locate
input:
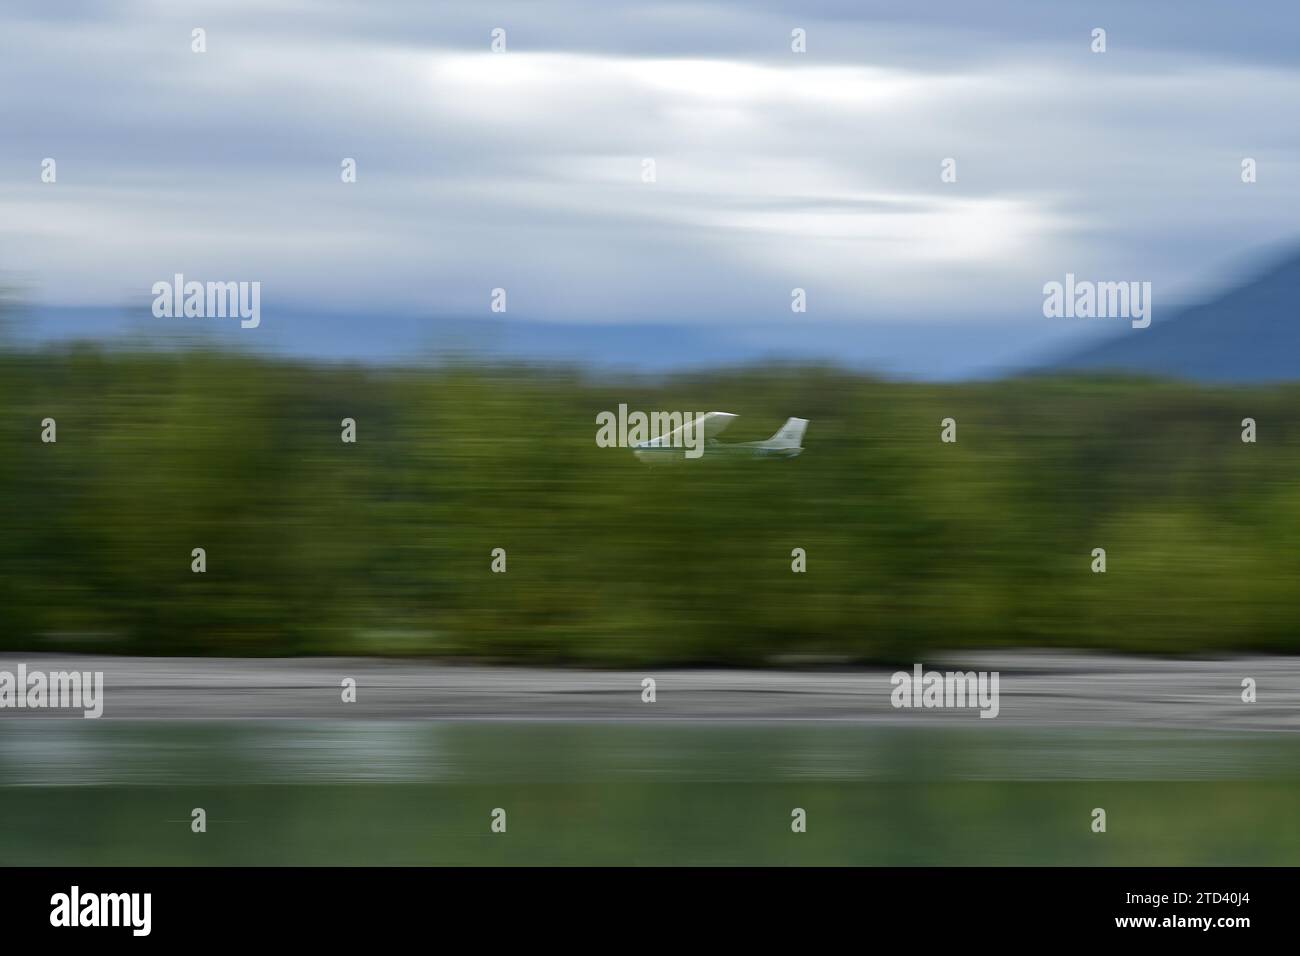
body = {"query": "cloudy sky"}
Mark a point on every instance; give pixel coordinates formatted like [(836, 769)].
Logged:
[(523, 169)]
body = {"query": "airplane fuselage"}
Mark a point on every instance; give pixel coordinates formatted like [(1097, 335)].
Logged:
[(663, 453), (673, 446)]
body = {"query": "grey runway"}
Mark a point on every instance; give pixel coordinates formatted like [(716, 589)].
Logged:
[(1037, 689)]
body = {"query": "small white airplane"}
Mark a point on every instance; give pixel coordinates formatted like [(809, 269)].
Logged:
[(700, 436)]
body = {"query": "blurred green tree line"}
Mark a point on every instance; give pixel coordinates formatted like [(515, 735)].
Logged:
[(384, 546)]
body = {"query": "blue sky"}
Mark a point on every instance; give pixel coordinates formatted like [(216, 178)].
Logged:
[(522, 169)]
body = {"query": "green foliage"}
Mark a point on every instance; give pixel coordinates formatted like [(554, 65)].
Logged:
[(383, 546)]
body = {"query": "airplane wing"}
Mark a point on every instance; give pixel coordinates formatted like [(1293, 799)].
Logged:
[(711, 424), (715, 423)]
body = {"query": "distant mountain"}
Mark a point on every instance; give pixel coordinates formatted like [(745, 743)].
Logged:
[(935, 350), (1247, 334)]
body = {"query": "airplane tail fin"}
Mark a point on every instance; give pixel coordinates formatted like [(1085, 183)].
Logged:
[(790, 434)]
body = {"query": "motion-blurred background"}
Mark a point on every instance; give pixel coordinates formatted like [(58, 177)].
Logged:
[(518, 163)]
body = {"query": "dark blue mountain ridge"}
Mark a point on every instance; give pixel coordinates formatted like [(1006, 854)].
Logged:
[(902, 347), (1246, 333)]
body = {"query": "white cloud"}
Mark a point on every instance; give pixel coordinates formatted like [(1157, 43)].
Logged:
[(478, 169)]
